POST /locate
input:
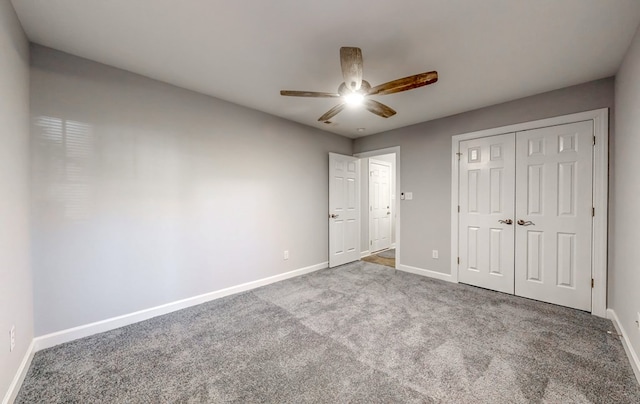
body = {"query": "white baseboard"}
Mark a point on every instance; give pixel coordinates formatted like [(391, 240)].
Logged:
[(426, 272), (631, 354), (16, 383), (60, 337), (365, 254)]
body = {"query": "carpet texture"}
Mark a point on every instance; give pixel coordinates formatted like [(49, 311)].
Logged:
[(356, 333)]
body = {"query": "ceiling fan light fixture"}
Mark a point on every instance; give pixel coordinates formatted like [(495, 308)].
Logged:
[(354, 99), (358, 92)]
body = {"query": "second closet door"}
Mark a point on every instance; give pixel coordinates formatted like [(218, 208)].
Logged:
[(554, 180)]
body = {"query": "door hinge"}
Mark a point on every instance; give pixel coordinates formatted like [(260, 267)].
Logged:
[(594, 140), (592, 282), (458, 260), (593, 212), (370, 242), (458, 154), (458, 208)]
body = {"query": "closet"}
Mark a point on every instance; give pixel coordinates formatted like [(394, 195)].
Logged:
[(525, 207)]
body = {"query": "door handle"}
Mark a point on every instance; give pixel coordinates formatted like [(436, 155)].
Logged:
[(388, 213), (527, 223), (333, 216), (508, 221)]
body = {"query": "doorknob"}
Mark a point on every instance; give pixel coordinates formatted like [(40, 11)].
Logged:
[(527, 223), (388, 213), (333, 216), (508, 221)]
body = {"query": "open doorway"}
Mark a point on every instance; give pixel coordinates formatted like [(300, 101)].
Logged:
[(379, 190)]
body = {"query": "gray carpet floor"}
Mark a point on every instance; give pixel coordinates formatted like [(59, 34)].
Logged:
[(359, 333)]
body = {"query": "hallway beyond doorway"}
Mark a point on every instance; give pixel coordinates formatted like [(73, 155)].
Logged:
[(384, 257)]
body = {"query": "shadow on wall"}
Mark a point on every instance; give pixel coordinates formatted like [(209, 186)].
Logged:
[(67, 171)]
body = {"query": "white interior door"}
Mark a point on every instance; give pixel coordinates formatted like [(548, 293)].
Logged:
[(486, 229), (554, 176), (344, 209), (380, 214)]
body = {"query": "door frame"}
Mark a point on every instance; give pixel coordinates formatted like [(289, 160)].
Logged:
[(372, 160), (391, 150), (600, 119)]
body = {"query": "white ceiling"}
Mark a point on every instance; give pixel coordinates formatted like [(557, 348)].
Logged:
[(246, 51)]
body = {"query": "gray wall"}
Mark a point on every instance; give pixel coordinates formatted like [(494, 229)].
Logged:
[(145, 193), (624, 197), (16, 307), (426, 162)]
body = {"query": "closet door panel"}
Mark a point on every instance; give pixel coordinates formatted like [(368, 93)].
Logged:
[(487, 181), (554, 169)]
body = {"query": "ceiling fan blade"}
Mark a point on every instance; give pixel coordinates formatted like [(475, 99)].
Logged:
[(332, 112), (351, 63), (404, 84), (378, 108), (315, 94)]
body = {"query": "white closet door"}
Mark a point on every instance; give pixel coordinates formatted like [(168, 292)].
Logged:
[(487, 180), (553, 208)]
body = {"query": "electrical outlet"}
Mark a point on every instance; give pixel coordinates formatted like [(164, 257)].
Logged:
[(12, 337), (286, 254), (434, 254)]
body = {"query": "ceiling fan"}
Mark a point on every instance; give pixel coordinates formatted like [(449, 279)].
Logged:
[(354, 90)]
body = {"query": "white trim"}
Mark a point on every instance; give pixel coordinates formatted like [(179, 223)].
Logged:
[(541, 123), (600, 118), (631, 354), (393, 246), (60, 337), (365, 253), (16, 383), (391, 150), (600, 220), (379, 152), (455, 149), (427, 273)]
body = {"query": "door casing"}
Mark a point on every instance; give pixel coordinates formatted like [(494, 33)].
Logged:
[(398, 186), (600, 119)]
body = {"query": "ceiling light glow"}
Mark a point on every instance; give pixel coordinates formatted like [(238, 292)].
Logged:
[(354, 99)]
